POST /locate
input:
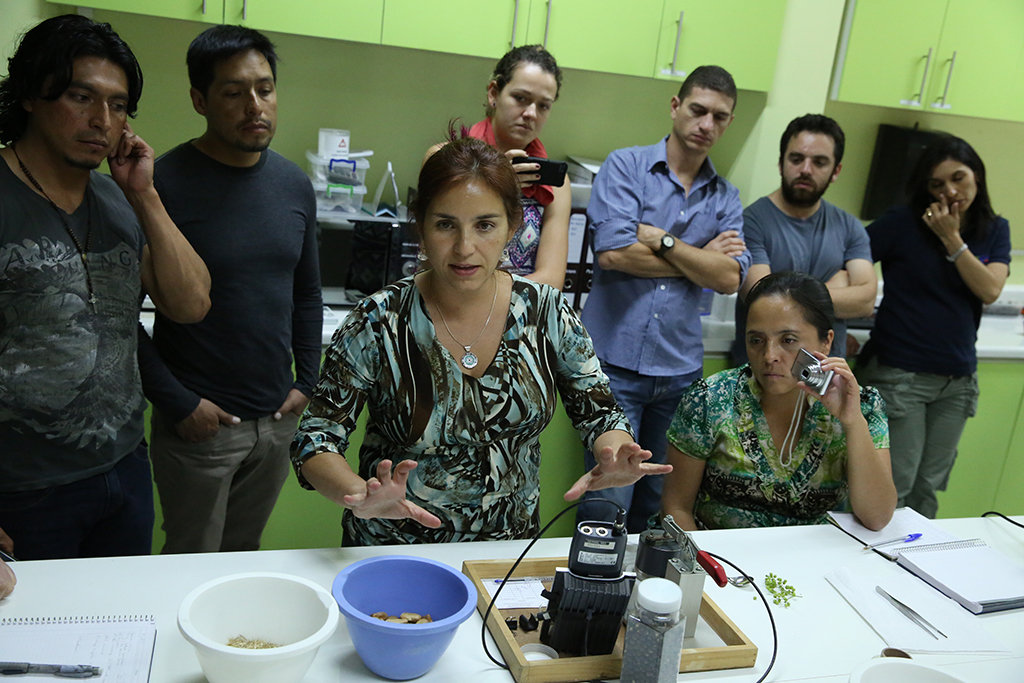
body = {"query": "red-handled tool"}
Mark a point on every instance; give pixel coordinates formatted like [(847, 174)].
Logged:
[(712, 567), (690, 554), (689, 570)]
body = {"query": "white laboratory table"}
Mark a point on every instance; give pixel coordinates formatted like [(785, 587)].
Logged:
[(821, 638)]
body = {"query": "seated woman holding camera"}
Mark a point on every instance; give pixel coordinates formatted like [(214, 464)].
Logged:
[(459, 367), (755, 446)]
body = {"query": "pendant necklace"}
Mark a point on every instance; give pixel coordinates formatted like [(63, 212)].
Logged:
[(469, 359), (795, 426), (74, 238)]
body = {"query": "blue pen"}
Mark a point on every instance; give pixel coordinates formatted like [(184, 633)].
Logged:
[(902, 539)]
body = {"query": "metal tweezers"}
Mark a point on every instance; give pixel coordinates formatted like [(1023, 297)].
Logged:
[(910, 613)]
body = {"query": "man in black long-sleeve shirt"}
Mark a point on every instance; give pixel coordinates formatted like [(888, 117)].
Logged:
[(225, 400)]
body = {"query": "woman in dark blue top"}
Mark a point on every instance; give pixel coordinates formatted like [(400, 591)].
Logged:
[(943, 255)]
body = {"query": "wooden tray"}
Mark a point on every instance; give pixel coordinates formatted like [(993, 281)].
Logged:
[(739, 652)]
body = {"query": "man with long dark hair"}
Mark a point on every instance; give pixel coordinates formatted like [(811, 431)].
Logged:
[(78, 249)]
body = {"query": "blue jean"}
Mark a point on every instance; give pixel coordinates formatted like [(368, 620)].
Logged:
[(104, 515), (649, 403)]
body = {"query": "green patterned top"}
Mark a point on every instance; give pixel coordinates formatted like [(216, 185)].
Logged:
[(719, 420), (475, 439)]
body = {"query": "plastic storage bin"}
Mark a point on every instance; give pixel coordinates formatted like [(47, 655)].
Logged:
[(338, 197), (338, 170)]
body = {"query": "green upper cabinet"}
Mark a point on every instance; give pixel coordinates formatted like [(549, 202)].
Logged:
[(209, 11), (357, 20), (481, 28), (953, 56), (977, 59), (891, 54), (741, 36), (598, 35)]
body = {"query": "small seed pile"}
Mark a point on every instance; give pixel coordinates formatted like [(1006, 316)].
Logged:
[(781, 590), (254, 644), (403, 618)]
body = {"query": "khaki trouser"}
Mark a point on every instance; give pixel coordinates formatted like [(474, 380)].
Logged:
[(218, 494), (927, 414)]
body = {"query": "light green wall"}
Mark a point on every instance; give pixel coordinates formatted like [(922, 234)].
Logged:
[(800, 86), (16, 17), (398, 102)]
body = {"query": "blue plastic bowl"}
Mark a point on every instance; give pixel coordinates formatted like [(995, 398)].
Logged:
[(396, 584)]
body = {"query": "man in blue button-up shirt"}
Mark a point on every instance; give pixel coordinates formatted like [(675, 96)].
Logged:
[(665, 226)]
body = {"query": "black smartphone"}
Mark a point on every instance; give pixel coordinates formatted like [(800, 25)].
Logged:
[(551, 172)]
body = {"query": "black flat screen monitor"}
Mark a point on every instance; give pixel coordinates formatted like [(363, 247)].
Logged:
[(896, 151)]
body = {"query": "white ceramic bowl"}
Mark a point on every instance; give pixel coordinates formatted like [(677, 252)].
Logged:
[(290, 611), (895, 670)]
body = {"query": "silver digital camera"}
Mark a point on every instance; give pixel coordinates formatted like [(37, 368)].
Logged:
[(807, 369)]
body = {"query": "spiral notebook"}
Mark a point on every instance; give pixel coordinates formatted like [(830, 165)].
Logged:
[(978, 577), (122, 646)]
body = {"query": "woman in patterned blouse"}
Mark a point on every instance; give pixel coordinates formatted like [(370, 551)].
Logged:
[(754, 446), (459, 366)]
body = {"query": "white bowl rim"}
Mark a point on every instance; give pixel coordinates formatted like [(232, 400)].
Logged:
[(191, 634), (454, 620), (896, 663)]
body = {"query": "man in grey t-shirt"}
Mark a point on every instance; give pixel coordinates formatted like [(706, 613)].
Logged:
[(793, 228), (77, 249)]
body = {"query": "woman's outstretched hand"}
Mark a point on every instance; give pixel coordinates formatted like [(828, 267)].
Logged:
[(385, 496), (616, 466)]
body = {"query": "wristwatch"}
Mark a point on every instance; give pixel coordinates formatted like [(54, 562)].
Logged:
[(667, 242)]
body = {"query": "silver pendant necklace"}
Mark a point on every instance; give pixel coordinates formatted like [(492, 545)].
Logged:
[(469, 359)]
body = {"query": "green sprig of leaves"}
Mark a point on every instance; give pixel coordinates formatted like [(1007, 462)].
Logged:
[(782, 592)]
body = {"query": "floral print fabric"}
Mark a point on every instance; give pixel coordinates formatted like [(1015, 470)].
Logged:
[(719, 420)]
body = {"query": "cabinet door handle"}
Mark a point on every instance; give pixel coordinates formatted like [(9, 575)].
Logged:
[(204, 7), (675, 55), (515, 20), (915, 101), (245, 9), (547, 23), (945, 91)]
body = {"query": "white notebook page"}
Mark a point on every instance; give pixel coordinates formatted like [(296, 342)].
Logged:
[(971, 569), (121, 646)]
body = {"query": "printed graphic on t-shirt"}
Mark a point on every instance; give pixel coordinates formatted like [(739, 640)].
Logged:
[(66, 372)]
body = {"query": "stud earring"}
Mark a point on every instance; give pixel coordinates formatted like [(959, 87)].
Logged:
[(420, 256), (504, 255)]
